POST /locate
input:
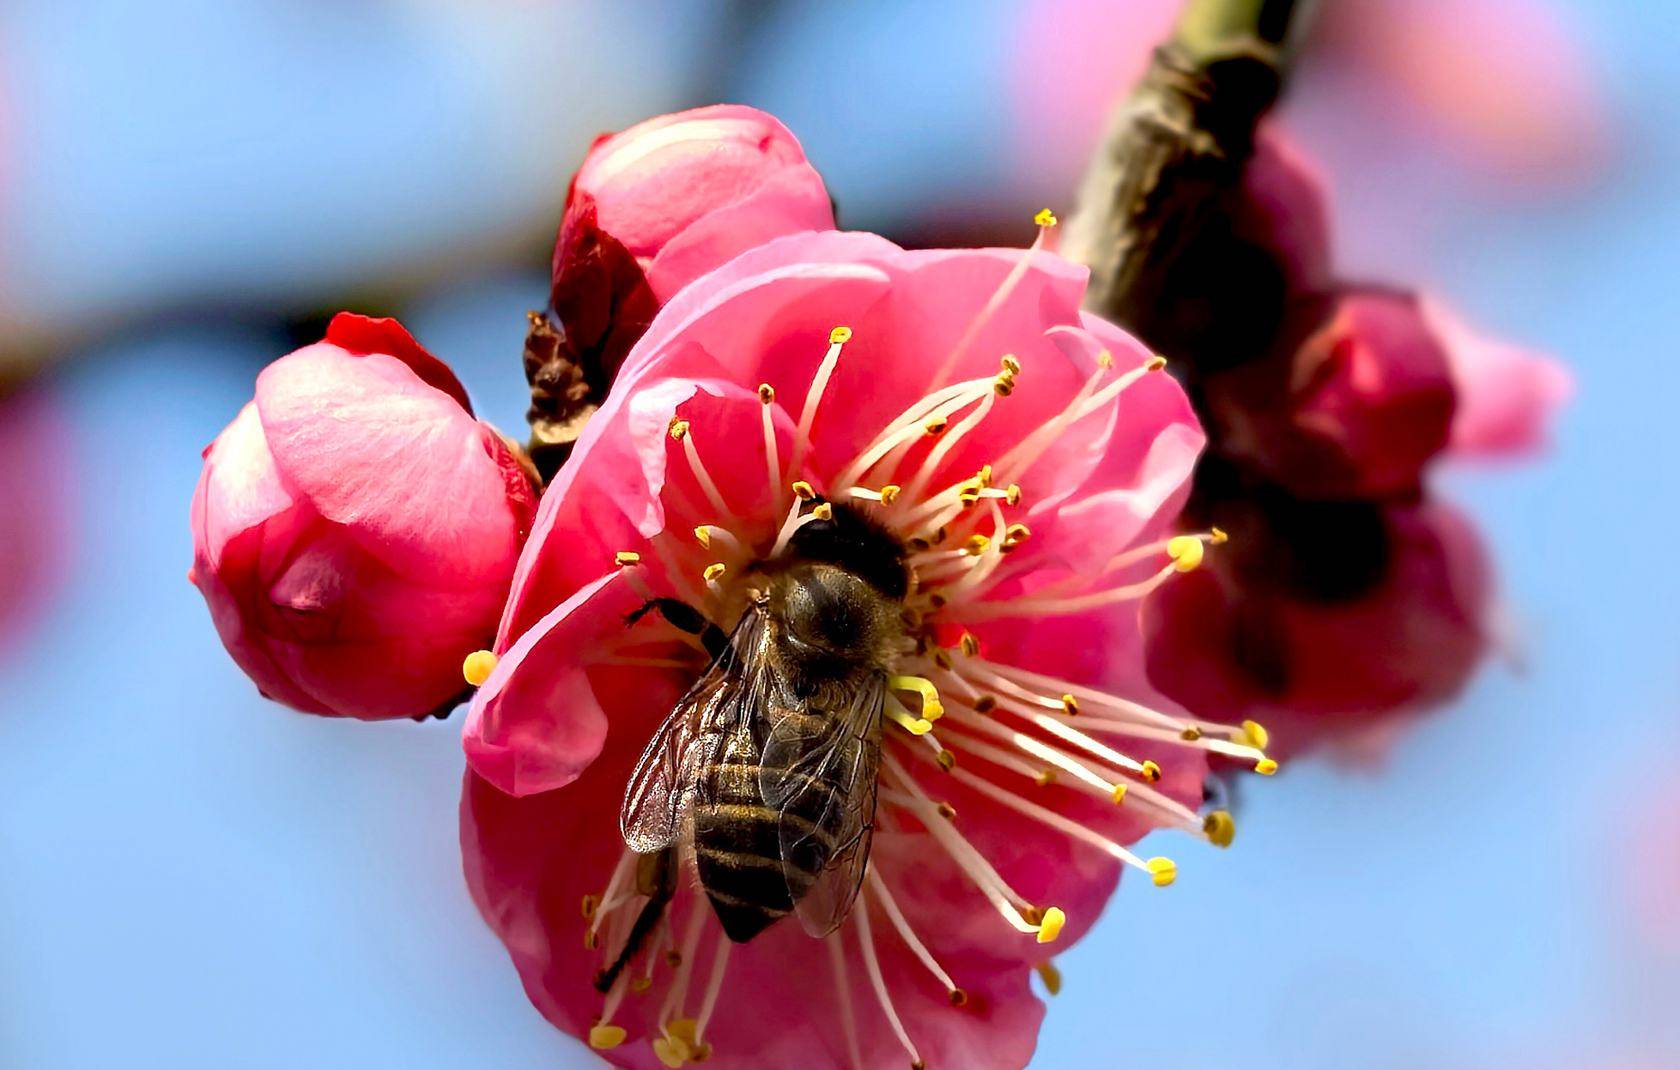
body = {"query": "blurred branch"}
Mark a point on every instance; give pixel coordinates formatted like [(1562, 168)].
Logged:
[(1175, 147)]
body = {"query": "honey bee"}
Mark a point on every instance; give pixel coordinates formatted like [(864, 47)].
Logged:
[(767, 767)]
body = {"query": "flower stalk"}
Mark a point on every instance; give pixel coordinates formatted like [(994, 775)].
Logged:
[(1175, 151)]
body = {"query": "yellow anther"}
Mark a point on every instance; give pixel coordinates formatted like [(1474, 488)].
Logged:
[(1220, 829), (1256, 734), (703, 535), (839, 334), (591, 940), (947, 811), (932, 708), (1015, 534), (803, 490), (1051, 976), (591, 904), (702, 1052), (1150, 772), (825, 511), (976, 545), (1105, 359), (1045, 218), (678, 429), (1186, 552), (1265, 767), (478, 666), (640, 983), (671, 1051), (916, 726), (1217, 536), (1045, 777), (1163, 871), (1118, 794), (958, 997), (1051, 926), (1155, 364), (626, 558), (714, 571), (889, 493), (684, 1029), (984, 476), (606, 1037), (985, 704), (766, 393), (969, 644), (970, 493), (1003, 385), (1070, 705), (1191, 734), (1012, 494), (1011, 364), (935, 425), (947, 760)]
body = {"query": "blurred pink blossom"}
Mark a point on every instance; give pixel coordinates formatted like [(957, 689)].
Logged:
[(35, 448)]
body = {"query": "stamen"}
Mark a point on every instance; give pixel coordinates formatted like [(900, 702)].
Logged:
[(707, 534), (701, 475), (714, 986), (678, 991), (909, 426), (1039, 606), (1051, 818), (772, 456), (837, 338), (957, 996), (478, 666), (936, 456), (1220, 829), (843, 996), (873, 967), (916, 726), (1085, 402), (626, 558), (932, 708), (1017, 272)]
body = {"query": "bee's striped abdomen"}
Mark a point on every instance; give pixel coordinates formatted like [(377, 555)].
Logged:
[(738, 844)]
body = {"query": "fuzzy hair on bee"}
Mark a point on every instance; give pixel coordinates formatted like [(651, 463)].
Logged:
[(765, 772)]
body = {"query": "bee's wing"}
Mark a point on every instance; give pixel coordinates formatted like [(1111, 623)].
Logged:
[(662, 787), (822, 771)]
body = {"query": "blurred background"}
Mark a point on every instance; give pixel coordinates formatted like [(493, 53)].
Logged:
[(192, 877)]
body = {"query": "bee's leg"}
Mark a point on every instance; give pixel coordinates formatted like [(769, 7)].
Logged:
[(656, 878), (684, 617)]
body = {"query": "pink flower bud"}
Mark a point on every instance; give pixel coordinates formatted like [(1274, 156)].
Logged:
[(660, 204), (355, 528), (1355, 409)]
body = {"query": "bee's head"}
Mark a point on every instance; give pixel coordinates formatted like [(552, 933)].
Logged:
[(829, 621)]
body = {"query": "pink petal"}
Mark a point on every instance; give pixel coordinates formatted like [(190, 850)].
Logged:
[(362, 335), (1507, 395), (537, 723), (373, 447)]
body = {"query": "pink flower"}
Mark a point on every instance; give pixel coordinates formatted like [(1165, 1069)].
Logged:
[(1025, 459), (1325, 632), (34, 445), (1355, 409), (355, 528), (662, 203)]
